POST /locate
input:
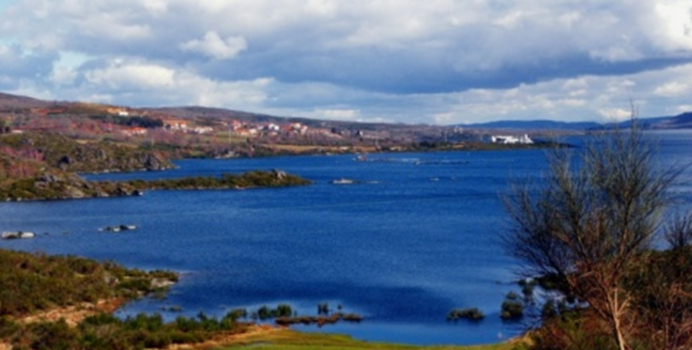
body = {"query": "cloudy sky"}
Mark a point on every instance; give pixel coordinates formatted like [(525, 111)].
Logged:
[(410, 61)]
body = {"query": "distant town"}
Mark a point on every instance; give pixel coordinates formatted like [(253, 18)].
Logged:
[(217, 133)]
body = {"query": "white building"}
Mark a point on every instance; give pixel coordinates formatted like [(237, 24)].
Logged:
[(508, 140), (201, 130)]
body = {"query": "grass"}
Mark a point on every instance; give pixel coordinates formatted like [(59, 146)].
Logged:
[(291, 340)]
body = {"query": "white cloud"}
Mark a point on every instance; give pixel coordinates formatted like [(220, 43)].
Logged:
[(672, 89), (438, 61), (156, 7), (337, 114), (351, 115), (615, 114), (326, 8), (247, 95), (214, 47), (600, 99), (445, 118), (27, 87), (114, 30), (132, 76), (134, 82), (673, 27), (683, 108), (63, 76)]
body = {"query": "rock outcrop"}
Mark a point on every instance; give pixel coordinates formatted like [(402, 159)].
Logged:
[(71, 155)]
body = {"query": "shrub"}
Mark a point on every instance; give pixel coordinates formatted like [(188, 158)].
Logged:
[(236, 314), (264, 313), (512, 308), (283, 310), (473, 314), (322, 309)]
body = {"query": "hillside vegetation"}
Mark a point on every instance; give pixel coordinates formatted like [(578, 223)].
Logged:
[(45, 166), (33, 284), (67, 154), (227, 181), (658, 314), (38, 282)]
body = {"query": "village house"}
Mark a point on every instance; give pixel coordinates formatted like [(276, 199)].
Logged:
[(135, 131), (118, 111), (236, 125), (175, 124), (271, 127), (299, 128), (200, 130), (246, 132)]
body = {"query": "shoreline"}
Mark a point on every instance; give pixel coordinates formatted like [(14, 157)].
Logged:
[(275, 336), (52, 188)]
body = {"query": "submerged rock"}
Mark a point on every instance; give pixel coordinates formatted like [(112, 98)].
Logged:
[(17, 235)]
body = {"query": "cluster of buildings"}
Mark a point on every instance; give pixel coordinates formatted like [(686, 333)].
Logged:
[(172, 125), (135, 131), (253, 129), (238, 128), (182, 125), (509, 140)]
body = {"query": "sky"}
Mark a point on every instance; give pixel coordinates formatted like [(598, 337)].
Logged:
[(405, 61)]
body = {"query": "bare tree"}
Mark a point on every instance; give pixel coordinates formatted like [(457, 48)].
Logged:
[(591, 218), (663, 289), (678, 233)]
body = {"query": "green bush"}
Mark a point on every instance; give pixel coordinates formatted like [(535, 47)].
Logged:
[(322, 309), (36, 282), (47, 336), (473, 314), (283, 310), (512, 308)]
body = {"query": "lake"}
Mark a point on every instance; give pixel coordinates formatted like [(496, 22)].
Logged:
[(414, 236)]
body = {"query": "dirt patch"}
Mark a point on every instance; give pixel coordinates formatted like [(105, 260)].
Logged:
[(232, 339), (73, 315), (161, 283)]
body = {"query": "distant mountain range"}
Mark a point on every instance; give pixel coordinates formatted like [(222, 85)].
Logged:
[(534, 125), (10, 103), (21, 104), (682, 121)]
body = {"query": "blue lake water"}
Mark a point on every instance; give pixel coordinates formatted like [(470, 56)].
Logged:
[(414, 238)]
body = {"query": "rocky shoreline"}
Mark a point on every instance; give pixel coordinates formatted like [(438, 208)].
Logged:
[(71, 186)]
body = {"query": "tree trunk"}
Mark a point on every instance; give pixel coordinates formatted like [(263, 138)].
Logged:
[(616, 315)]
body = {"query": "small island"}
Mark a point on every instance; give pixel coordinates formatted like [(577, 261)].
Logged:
[(46, 167), (251, 179)]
